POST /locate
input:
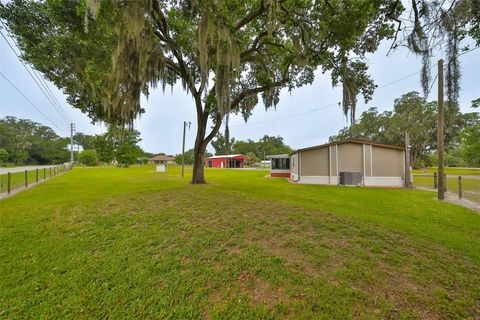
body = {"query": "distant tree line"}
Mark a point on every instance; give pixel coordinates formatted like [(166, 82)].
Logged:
[(116, 145), (412, 113), (189, 157), (23, 141)]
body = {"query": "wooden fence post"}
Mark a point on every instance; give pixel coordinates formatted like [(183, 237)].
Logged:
[(460, 195), (9, 183), (36, 175), (50, 172), (26, 179), (435, 181), (44, 173)]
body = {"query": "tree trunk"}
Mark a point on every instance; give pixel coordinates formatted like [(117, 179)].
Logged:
[(198, 176), (201, 142)]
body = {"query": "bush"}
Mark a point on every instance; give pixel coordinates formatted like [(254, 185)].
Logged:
[(127, 154), (143, 160), (3, 155), (88, 157), (253, 159)]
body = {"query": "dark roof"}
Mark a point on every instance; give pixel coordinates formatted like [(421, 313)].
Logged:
[(162, 158), (358, 141)]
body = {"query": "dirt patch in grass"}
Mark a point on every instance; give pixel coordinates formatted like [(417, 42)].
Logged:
[(259, 291)]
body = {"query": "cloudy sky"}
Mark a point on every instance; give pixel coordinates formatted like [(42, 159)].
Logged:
[(304, 117)]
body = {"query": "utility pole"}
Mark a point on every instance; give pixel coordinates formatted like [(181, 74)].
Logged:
[(183, 146), (227, 135), (440, 133), (408, 182), (72, 127)]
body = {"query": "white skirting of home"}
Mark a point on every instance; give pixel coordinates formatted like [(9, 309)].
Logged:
[(384, 181), (316, 180), (368, 181)]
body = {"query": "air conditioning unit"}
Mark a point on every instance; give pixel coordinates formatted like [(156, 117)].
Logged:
[(351, 178)]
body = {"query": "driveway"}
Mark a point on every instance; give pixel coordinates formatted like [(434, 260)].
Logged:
[(21, 169)]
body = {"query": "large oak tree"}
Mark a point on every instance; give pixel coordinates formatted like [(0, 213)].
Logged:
[(225, 53)]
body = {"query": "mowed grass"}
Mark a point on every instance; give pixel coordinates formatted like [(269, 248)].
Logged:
[(132, 243), (451, 171)]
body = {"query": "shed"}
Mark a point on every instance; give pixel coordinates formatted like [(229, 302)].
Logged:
[(162, 159), (226, 161), (354, 162)]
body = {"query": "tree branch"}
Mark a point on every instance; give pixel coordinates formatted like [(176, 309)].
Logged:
[(215, 129), (254, 47), (250, 17), (162, 25), (248, 92)]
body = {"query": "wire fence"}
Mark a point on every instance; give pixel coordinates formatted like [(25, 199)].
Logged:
[(11, 181), (465, 187)]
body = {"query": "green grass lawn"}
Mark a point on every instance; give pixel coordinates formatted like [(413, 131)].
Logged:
[(451, 171), (132, 243)]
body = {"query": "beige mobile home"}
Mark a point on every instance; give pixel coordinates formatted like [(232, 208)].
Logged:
[(350, 162)]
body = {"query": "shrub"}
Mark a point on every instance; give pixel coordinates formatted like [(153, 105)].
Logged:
[(88, 157), (3, 155)]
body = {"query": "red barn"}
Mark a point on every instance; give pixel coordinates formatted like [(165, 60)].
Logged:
[(226, 161)]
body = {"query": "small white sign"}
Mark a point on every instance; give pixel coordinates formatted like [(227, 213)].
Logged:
[(161, 168)]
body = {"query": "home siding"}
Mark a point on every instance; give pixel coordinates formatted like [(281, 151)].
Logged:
[(333, 160), (350, 157), (368, 160), (315, 162), (294, 166), (387, 162)]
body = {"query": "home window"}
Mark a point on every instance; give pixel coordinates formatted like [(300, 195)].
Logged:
[(280, 164)]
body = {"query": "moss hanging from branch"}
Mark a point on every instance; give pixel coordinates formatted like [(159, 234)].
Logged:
[(353, 77), (137, 59), (214, 35), (441, 25)]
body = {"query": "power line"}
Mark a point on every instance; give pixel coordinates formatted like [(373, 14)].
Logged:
[(321, 108), (468, 51), (433, 82), (445, 68), (45, 90), (26, 98), (52, 95), (57, 108), (398, 80), (287, 117), (330, 105)]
